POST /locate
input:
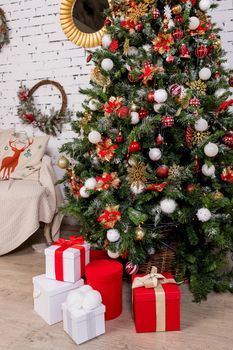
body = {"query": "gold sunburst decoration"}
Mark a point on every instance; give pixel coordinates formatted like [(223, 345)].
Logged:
[(136, 12), (199, 86), (72, 32), (137, 174), (199, 137)]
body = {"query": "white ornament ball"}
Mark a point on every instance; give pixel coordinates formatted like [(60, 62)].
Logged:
[(106, 40), (134, 118), (83, 192), (133, 51), (220, 92), (204, 5), (205, 73), (194, 23), (203, 214), (75, 298), (94, 137), (208, 171), (151, 250), (168, 206), (85, 288), (201, 125), (107, 64), (155, 154), (92, 300), (160, 95), (211, 149), (157, 107), (137, 188), (93, 105), (113, 255), (90, 183), (113, 235)]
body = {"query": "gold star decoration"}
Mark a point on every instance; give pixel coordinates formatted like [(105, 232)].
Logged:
[(199, 86), (199, 137), (137, 174)]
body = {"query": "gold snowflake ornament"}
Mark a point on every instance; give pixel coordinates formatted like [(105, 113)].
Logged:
[(199, 137), (175, 171), (137, 174), (199, 86)]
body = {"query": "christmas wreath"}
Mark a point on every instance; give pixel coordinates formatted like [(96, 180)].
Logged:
[(4, 39), (29, 114)]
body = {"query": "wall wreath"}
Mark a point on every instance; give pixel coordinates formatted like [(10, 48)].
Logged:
[(4, 38), (29, 114)]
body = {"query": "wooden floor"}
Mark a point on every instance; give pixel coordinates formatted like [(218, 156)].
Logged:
[(205, 326)]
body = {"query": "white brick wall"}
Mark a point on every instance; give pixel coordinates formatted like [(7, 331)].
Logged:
[(38, 50)]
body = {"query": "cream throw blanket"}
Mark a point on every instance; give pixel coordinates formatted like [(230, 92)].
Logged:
[(26, 203)]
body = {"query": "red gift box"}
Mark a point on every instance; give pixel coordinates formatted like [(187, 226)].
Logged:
[(106, 277), (150, 306)]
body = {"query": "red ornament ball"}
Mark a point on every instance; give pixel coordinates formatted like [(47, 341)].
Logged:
[(170, 59), (138, 27), (231, 81), (130, 268), (167, 121), (151, 96), (143, 113), (159, 140), (123, 112), (120, 138), (190, 188), (107, 22), (201, 51), (155, 13), (228, 139), (178, 34), (134, 147), (179, 19), (195, 102), (175, 90), (162, 171)]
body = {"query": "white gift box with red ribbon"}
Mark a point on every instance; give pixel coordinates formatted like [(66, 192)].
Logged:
[(49, 295), (66, 259)]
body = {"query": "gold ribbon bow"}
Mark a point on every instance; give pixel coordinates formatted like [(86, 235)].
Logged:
[(152, 280)]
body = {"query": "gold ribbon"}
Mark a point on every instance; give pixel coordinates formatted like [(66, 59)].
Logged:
[(155, 280)]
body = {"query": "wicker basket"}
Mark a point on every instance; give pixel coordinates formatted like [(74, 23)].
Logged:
[(163, 259)]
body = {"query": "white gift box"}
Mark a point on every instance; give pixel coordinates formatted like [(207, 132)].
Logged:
[(71, 262), (49, 295), (83, 325)]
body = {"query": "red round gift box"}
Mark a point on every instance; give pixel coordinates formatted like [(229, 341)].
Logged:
[(106, 277)]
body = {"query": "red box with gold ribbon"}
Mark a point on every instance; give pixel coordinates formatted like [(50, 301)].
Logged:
[(66, 260), (156, 302)]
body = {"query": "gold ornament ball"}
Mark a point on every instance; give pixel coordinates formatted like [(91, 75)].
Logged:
[(177, 9), (63, 162), (218, 195), (134, 107), (139, 233)]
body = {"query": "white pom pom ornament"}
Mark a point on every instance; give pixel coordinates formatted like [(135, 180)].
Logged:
[(204, 215), (94, 137), (113, 235), (137, 188), (93, 105), (106, 40), (201, 125), (134, 118), (211, 149), (155, 154), (208, 171), (160, 95), (85, 288), (194, 23), (168, 206), (205, 73), (90, 184), (83, 192), (107, 64), (204, 5), (92, 300)]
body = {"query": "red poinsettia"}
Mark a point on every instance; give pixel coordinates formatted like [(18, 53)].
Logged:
[(23, 95), (113, 104), (110, 216), (114, 45), (28, 117)]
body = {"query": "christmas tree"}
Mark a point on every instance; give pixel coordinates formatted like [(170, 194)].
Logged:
[(154, 142)]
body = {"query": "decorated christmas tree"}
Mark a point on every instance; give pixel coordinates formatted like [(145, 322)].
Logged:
[(152, 161)]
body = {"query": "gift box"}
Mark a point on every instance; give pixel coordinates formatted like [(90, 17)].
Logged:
[(106, 277), (83, 325), (49, 295), (156, 308), (66, 260)]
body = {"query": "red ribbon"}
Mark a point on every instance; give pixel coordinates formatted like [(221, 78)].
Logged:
[(73, 242), (223, 106)]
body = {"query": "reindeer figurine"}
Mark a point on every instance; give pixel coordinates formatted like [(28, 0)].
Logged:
[(10, 163)]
